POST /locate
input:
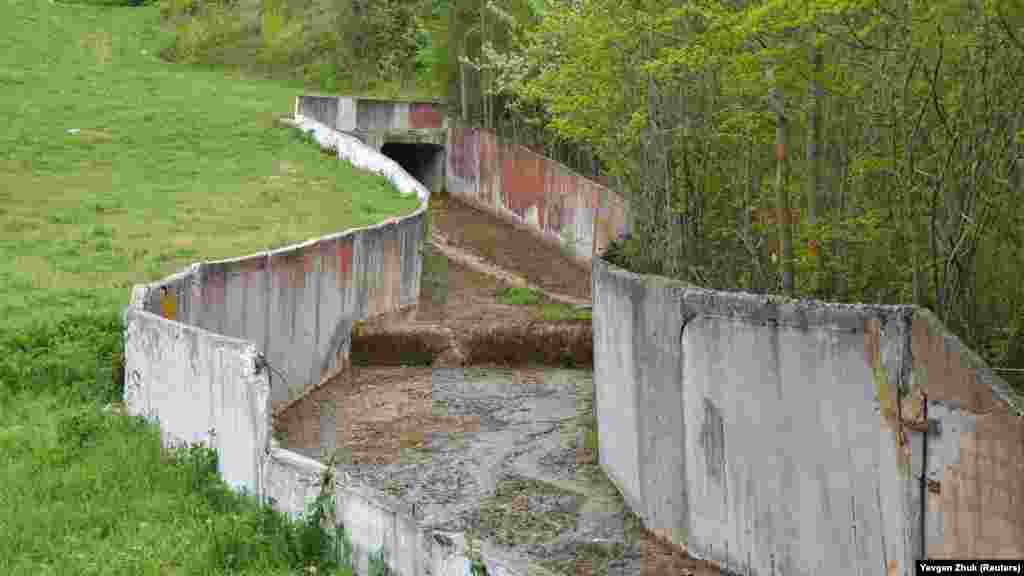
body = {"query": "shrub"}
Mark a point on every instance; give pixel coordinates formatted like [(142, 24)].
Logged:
[(79, 354)]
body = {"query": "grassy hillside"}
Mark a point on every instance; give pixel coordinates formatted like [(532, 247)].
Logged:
[(117, 167), (380, 48)]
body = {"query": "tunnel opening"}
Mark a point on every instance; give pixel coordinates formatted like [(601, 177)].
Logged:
[(424, 162)]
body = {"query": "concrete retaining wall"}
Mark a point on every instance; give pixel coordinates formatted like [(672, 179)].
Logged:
[(297, 304), (376, 121), (356, 114), (975, 450), (210, 350), (373, 520), (525, 188), (778, 437), (201, 387)]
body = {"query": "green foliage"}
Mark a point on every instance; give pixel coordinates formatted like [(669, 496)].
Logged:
[(564, 313), (78, 355), (378, 565), (347, 45), (98, 192), (84, 512), (434, 278), (110, 3), (519, 296), (915, 163), (477, 568), (548, 311)]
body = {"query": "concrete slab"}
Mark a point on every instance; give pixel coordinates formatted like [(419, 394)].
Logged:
[(500, 455)]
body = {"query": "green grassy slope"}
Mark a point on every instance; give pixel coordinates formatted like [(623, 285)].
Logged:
[(169, 165), (116, 168)]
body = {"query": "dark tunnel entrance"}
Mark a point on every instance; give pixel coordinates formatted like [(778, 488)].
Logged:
[(424, 162)]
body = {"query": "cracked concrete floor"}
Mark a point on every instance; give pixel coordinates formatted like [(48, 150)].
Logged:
[(504, 455)]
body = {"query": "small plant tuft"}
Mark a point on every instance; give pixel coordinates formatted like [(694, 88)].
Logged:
[(519, 296)]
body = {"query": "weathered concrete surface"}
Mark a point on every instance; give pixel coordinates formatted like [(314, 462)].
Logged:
[(201, 387), (352, 114), (372, 521), (361, 156), (298, 303), (975, 448), (510, 469), (772, 436), (543, 195), (379, 122)]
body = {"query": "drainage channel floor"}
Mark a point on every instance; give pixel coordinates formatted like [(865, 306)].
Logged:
[(500, 242), (505, 455)]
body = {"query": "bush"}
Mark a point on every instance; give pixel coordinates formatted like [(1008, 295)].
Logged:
[(80, 355)]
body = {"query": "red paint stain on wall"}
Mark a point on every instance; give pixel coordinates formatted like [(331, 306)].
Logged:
[(424, 116), (344, 252), (522, 177)]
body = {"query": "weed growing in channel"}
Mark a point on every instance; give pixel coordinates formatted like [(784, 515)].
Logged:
[(549, 311), (519, 296)]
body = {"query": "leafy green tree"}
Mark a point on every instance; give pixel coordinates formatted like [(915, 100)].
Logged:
[(910, 114)]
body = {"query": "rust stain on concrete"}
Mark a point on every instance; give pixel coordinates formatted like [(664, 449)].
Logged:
[(982, 497), (522, 178), (873, 356), (391, 274), (309, 259), (168, 302), (424, 116), (887, 393), (344, 269), (945, 373)]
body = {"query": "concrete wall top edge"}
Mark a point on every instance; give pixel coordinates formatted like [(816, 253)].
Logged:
[(195, 268), (292, 248), (240, 259), (357, 153), (304, 464), (370, 495), (180, 276), (806, 313), (984, 374), (437, 101), (237, 344), (760, 308)]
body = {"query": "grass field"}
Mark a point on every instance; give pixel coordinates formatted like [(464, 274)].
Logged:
[(117, 168)]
